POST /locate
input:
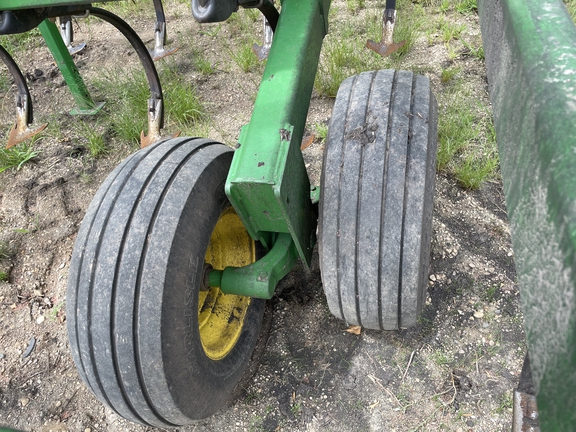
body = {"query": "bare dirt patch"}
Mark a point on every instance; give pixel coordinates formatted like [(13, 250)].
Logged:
[(454, 371)]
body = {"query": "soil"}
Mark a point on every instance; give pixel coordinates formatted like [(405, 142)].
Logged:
[(455, 370)]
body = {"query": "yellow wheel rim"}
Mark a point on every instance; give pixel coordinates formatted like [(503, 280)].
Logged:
[(221, 316)]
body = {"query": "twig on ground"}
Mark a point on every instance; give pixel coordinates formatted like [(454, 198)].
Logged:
[(408, 367)]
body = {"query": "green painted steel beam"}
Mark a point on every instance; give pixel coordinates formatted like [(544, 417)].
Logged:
[(84, 103), (34, 4), (268, 184), (258, 279), (530, 48)]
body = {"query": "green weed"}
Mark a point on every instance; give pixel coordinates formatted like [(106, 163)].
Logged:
[(466, 6), (355, 5), (456, 129), (244, 57), (448, 74), (15, 157), (450, 30), (4, 276), (202, 64), (321, 131), (211, 30), (474, 171), (55, 310), (490, 293), (127, 105), (505, 403), (22, 41), (93, 139), (474, 52)]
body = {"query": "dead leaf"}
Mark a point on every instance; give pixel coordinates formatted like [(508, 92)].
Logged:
[(307, 142), (354, 329)]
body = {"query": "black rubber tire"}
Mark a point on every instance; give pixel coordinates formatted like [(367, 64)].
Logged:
[(132, 298), (376, 199)]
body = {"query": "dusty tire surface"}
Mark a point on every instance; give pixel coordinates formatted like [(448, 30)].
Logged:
[(377, 199), (134, 281)]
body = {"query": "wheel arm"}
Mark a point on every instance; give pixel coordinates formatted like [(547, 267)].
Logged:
[(260, 278)]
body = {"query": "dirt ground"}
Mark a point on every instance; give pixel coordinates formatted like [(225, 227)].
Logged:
[(454, 371)]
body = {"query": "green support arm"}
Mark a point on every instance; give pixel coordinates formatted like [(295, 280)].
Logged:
[(530, 48), (268, 184)]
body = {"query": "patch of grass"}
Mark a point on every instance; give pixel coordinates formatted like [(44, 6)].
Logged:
[(450, 30), (211, 30), (480, 161), (456, 128), (321, 131), (466, 6), (131, 8), (127, 106), (22, 41), (440, 358), (244, 57), (452, 52), (474, 52), (93, 139), (202, 64), (13, 158), (336, 64), (505, 403), (182, 104), (407, 28), (355, 5), (4, 276), (474, 171), (490, 293), (448, 74), (56, 310), (5, 81)]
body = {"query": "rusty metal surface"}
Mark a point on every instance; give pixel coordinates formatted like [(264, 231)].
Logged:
[(387, 46), (24, 116), (525, 408)]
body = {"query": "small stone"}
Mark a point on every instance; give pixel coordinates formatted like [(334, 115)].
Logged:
[(432, 278), (40, 319), (472, 265), (87, 430), (478, 314), (469, 422), (24, 401), (58, 403)]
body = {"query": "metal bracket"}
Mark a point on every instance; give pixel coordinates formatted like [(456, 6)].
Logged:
[(24, 113), (68, 35), (525, 409), (260, 278), (387, 46), (160, 37)]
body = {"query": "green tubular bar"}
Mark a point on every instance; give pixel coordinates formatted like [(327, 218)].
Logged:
[(33, 4), (268, 184), (259, 279), (84, 103), (530, 48)]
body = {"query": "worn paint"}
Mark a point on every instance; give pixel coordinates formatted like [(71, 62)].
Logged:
[(530, 48)]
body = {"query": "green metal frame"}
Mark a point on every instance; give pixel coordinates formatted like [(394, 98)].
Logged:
[(84, 103), (34, 4), (267, 183), (530, 48)]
